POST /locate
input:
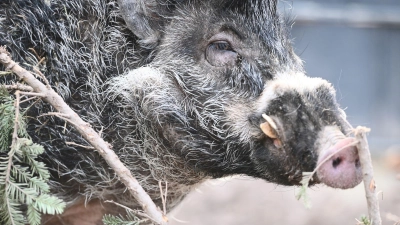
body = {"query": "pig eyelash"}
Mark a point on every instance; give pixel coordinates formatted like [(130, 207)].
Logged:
[(221, 46)]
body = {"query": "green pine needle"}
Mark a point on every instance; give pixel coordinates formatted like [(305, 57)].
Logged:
[(118, 220), (21, 192), (33, 215), (39, 185), (49, 204), (365, 220), (10, 213), (23, 179)]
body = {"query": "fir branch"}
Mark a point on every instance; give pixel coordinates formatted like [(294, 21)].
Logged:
[(30, 151), (13, 215), (22, 175), (21, 185), (131, 219), (39, 185), (130, 211), (49, 204), (6, 119), (33, 215), (19, 192)]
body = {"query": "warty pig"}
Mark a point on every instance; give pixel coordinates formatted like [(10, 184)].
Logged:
[(179, 89)]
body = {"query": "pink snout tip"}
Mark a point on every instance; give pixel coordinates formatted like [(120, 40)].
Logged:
[(339, 166)]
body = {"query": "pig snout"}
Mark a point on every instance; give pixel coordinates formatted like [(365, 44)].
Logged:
[(338, 164)]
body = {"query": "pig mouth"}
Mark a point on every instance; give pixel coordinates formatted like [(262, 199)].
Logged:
[(338, 163)]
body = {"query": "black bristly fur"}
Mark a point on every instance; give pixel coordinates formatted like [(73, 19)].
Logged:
[(169, 114)]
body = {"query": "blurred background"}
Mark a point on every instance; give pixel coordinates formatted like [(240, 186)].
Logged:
[(356, 46)]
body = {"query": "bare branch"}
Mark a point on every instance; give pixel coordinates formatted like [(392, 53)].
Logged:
[(368, 172), (90, 135)]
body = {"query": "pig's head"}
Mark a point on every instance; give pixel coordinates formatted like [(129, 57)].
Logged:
[(225, 92)]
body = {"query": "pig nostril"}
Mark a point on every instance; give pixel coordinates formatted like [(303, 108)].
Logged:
[(336, 162), (357, 163)]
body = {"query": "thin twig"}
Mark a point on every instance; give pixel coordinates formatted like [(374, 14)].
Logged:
[(16, 119), (33, 94), (368, 173), (12, 151), (101, 131), (18, 86), (163, 196), (90, 135), (34, 51), (82, 146), (60, 115), (40, 61), (3, 73), (28, 99), (37, 71), (137, 212)]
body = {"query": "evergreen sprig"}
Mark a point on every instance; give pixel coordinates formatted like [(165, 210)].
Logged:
[(24, 192), (302, 191), (130, 219)]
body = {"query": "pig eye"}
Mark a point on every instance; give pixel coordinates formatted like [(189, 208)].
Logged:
[(221, 46), (221, 53)]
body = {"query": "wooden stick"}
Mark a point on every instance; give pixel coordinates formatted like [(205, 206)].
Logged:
[(89, 134), (368, 172)]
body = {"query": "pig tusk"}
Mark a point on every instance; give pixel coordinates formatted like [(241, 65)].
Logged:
[(270, 121), (269, 127), (267, 130)]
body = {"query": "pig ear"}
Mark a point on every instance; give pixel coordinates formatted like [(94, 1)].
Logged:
[(145, 18)]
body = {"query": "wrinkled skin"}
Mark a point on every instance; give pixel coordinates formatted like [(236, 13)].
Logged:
[(178, 93)]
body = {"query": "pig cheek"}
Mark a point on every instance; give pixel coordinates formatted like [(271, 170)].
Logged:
[(270, 160)]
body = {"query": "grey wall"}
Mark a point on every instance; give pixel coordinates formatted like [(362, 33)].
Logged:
[(360, 57)]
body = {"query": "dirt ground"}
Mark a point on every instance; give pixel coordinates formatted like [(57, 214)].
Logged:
[(247, 201)]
